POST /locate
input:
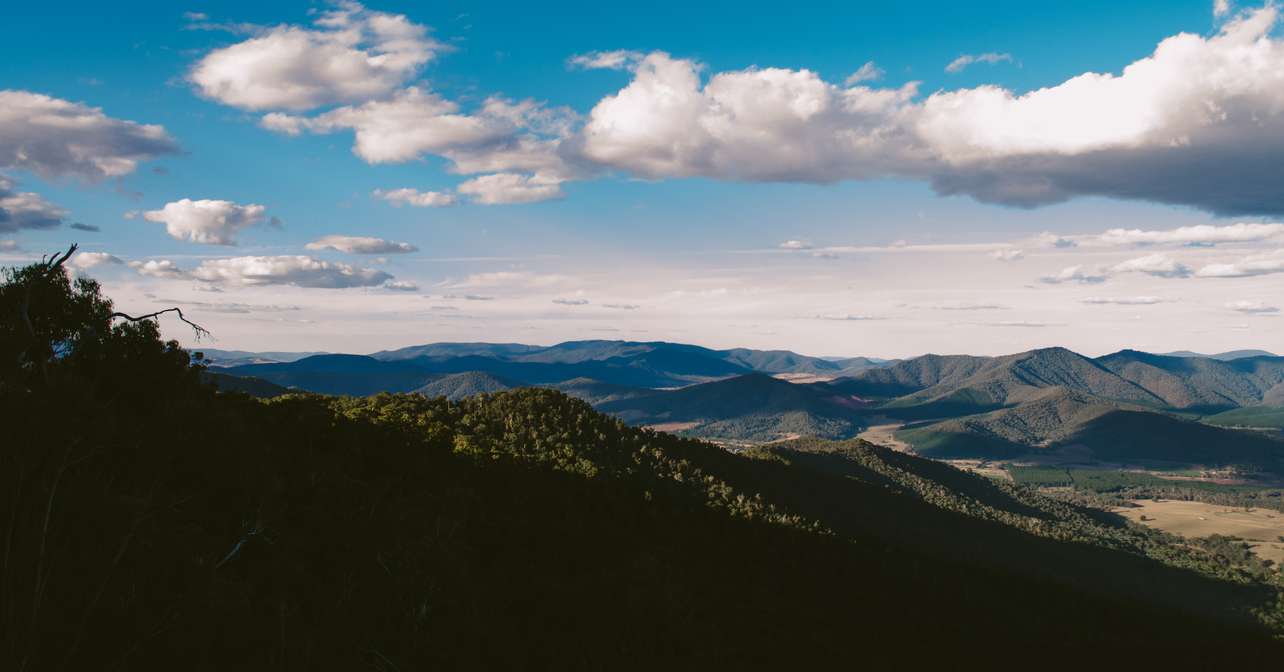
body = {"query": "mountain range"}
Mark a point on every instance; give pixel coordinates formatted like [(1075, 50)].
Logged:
[(1128, 405)]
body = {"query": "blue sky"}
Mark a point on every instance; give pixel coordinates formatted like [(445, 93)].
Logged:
[(630, 215)]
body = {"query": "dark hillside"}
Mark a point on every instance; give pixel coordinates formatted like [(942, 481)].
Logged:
[(754, 407), (154, 523)]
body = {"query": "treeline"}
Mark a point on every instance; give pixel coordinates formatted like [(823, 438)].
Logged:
[(1111, 488)]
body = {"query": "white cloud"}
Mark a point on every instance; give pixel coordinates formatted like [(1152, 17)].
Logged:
[(1122, 300), (411, 123), (1221, 8), (1077, 274), (26, 210), (206, 221), (54, 137), (1012, 254), (1260, 264), (1252, 308), (157, 268), (960, 63), (1200, 235), (510, 279), (509, 188), (757, 124), (87, 260), (8, 245), (401, 286), (419, 199), (350, 54), (360, 245), (621, 306), (965, 305), (1159, 265), (299, 271), (619, 59), (795, 245), (519, 141), (1199, 122), (866, 73), (571, 302), (1047, 239)]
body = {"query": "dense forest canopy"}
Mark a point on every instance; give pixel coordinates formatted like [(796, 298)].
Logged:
[(152, 522)]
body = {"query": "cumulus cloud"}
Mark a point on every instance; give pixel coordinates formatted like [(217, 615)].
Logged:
[(1198, 122), (1252, 308), (756, 124), (1254, 265), (1159, 265), (619, 59), (961, 63), (1122, 300), (411, 123), (55, 138), (1076, 274), (87, 260), (419, 199), (520, 141), (1221, 8), (157, 268), (25, 209), (360, 245), (866, 73), (509, 188), (350, 54), (1012, 254), (299, 271), (206, 221)]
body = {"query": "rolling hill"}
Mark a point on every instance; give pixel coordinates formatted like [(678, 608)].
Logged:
[(624, 363), (457, 386), (753, 407), (1064, 424), (1042, 400), (1013, 379), (1200, 384)]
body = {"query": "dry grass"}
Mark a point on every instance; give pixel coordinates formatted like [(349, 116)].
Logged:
[(885, 435), (1261, 527)]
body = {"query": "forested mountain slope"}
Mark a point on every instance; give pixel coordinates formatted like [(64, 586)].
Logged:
[(154, 523)]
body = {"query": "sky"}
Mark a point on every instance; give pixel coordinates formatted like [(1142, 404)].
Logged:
[(876, 179)]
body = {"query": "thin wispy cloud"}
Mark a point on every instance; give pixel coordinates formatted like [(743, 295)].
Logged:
[(990, 58)]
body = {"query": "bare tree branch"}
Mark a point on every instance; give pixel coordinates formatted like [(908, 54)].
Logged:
[(200, 331), (57, 261)]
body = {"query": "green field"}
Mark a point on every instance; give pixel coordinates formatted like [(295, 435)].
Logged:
[(1252, 416)]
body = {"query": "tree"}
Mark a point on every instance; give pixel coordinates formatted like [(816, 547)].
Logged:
[(59, 332)]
